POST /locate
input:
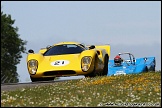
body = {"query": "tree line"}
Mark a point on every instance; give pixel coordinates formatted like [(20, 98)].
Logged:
[(12, 47)]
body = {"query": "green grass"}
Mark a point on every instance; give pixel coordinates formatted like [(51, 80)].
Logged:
[(136, 89)]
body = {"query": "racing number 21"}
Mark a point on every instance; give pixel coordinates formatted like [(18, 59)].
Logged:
[(59, 63)]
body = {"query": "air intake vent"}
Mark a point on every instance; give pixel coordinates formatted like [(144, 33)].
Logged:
[(65, 72)]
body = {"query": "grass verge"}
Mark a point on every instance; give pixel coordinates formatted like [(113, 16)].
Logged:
[(129, 90)]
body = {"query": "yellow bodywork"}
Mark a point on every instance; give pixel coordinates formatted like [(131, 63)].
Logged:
[(106, 47), (47, 68), (42, 50)]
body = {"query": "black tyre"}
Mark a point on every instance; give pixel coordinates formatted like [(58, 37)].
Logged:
[(105, 70), (154, 69), (146, 69)]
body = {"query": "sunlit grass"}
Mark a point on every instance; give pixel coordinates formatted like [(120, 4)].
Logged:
[(91, 92)]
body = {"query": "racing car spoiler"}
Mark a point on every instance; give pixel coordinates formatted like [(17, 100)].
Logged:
[(105, 46)]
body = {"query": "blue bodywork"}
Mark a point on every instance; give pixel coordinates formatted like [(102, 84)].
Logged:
[(131, 65)]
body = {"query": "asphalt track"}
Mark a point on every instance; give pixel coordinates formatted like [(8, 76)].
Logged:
[(16, 86)]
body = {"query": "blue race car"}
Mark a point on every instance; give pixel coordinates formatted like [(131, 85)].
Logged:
[(126, 63)]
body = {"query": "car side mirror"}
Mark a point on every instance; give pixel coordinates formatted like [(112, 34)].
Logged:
[(92, 47), (48, 47), (31, 51)]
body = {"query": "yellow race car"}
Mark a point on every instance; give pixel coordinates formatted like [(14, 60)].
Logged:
[(68, 59)]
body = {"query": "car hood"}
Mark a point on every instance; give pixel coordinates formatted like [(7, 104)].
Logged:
[(60, 62)]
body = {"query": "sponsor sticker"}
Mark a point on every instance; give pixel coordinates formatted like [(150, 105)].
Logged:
[(120, 73)]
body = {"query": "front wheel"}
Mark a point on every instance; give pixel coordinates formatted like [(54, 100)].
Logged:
[(105, 70)]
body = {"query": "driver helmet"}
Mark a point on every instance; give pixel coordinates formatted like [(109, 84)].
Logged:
[(117, 60)]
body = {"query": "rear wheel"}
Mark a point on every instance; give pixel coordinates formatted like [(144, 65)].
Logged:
[(146, 70), (41, 79), (105, 70), (153, 69)]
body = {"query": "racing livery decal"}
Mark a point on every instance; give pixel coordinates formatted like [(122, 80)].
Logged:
[(60, 63)]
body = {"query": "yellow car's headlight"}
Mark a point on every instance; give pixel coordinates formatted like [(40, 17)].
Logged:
[(85, 67), (86, 61), (32, 66)]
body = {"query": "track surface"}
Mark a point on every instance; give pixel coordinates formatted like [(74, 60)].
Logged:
[(15, 86)]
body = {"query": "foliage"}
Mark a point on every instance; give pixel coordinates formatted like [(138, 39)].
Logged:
[(11, 48), (126, 90)]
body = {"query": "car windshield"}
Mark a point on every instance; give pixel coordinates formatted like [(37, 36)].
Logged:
[(127, 57), (64, 49)]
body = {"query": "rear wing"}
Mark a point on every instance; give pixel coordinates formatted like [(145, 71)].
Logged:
[(106, 47)]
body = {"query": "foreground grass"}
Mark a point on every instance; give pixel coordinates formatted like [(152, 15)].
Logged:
[(138, 89)]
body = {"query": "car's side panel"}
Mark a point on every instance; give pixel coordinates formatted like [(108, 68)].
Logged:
[(106, 47), (102, 53), (100, 61), (36, 56), (43, 50)]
